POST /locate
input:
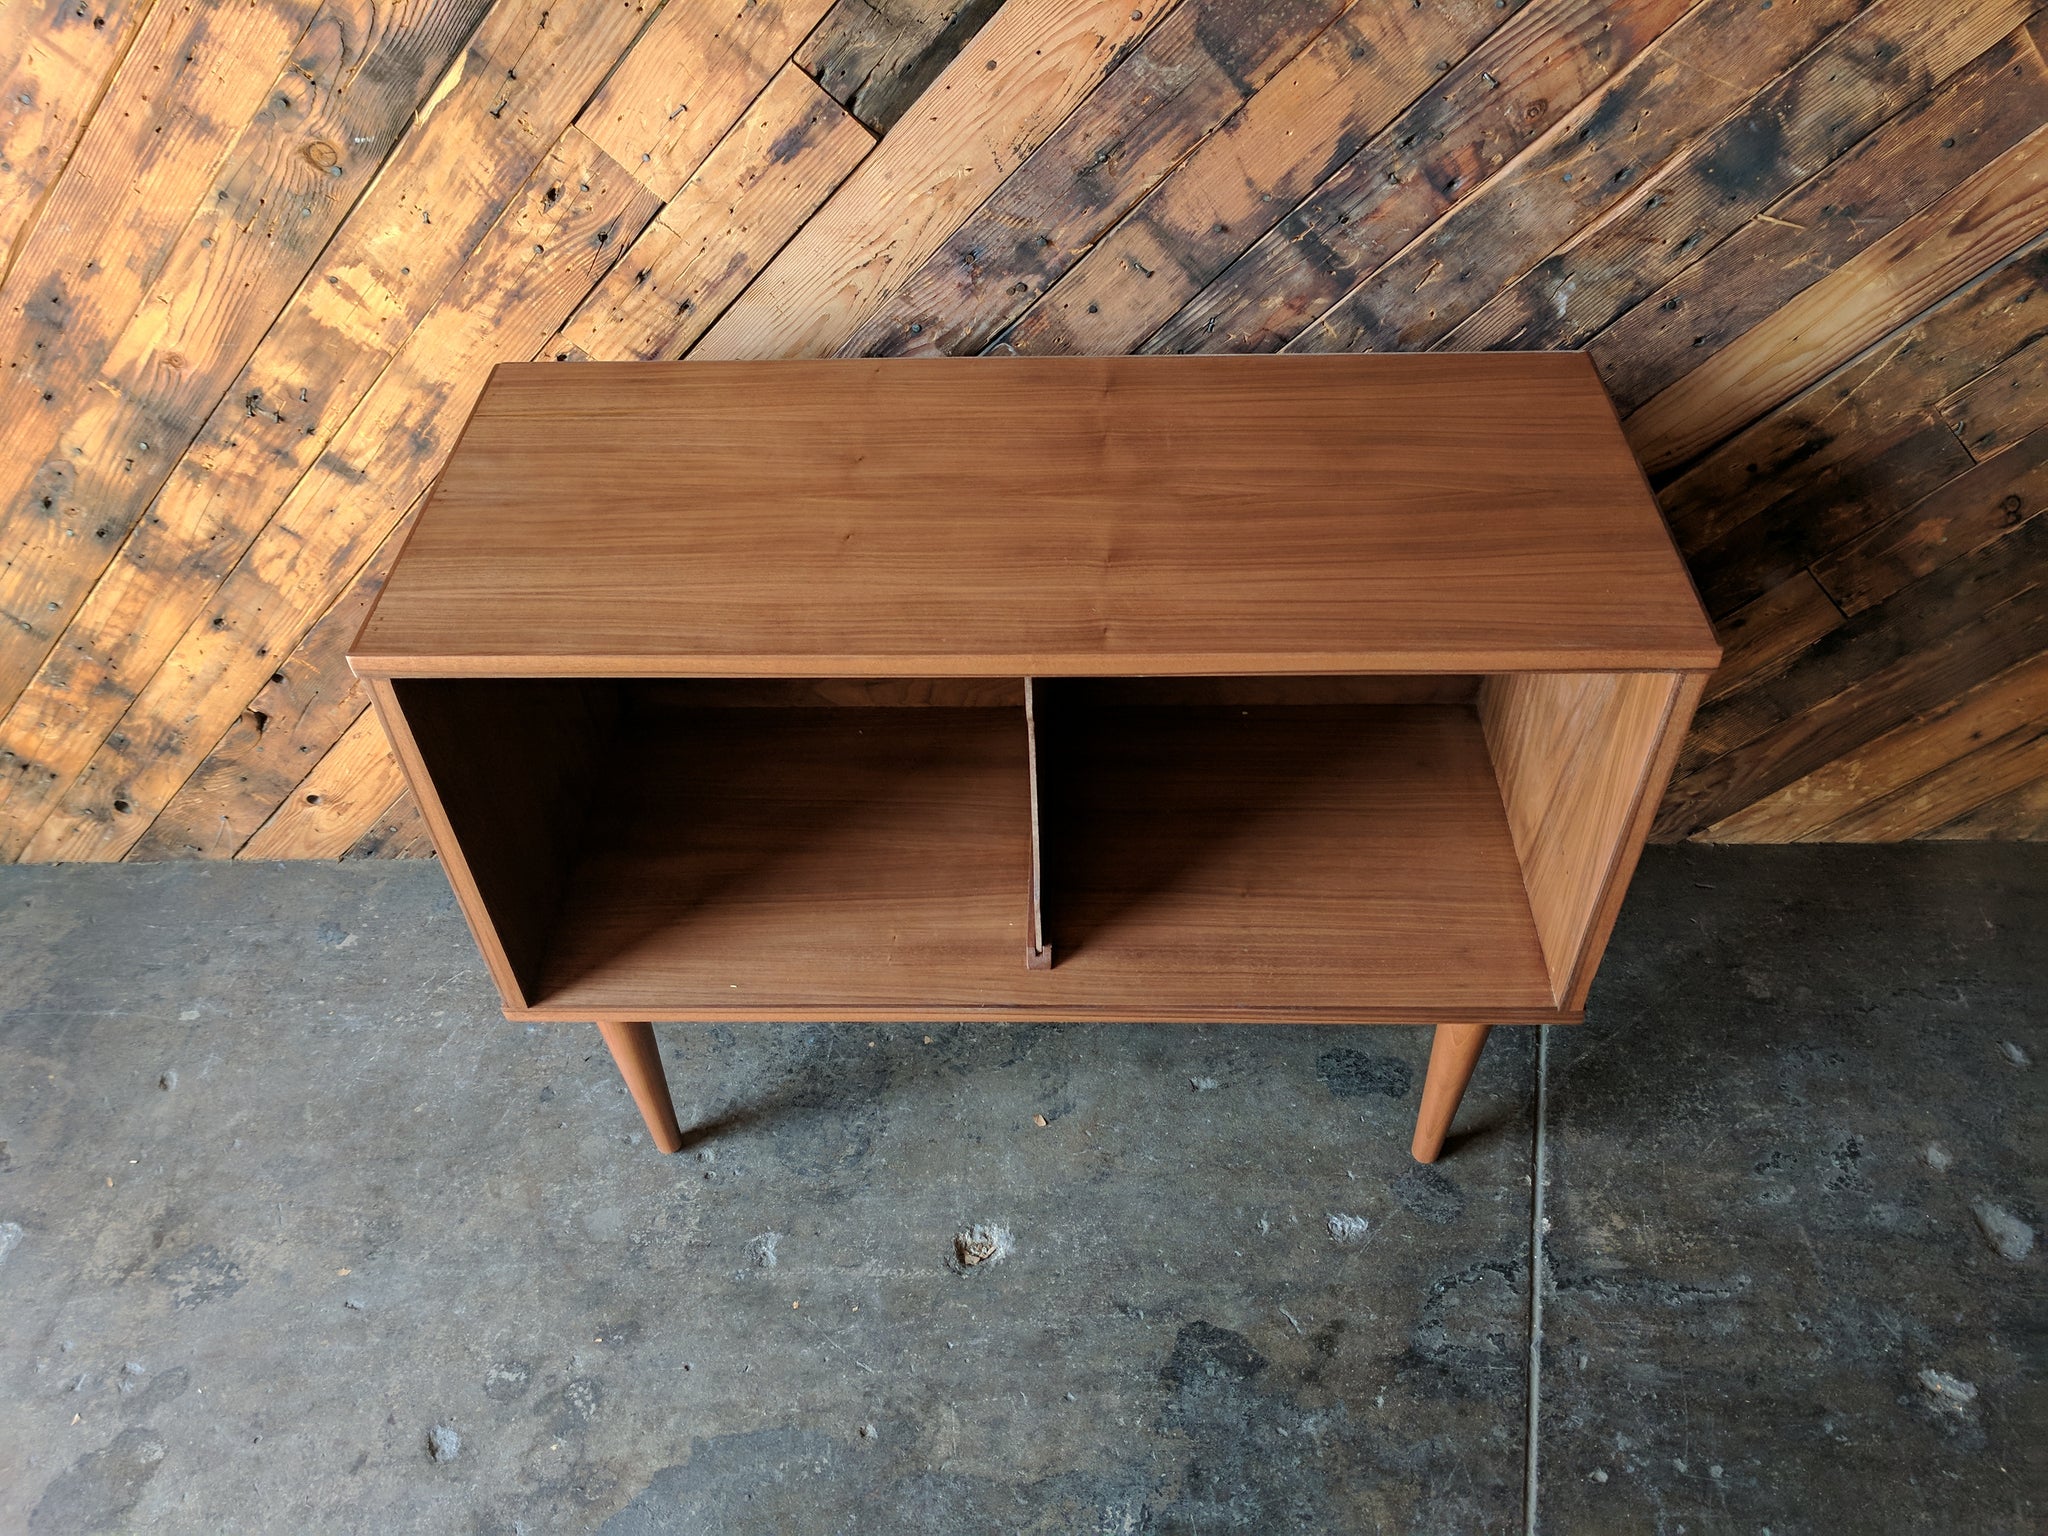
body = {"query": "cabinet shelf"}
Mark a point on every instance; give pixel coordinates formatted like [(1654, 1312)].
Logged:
[(790, 859)]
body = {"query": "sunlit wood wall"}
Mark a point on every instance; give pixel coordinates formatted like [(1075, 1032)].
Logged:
[(259, 255)]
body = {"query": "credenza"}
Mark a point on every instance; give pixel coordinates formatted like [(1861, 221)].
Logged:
[(1180, 689)]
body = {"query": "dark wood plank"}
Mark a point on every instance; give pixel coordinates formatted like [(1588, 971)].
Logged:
[(988, 517), (1703, 68), (1904, 461), (1957, 594), (1761, 637), (875, 57), (2000, 209), (1436, 100), (1723, 210), (1183, 79), (1553, 72), (1959, 519), (1887, 178), (2020, 815), (1876, 399), (1949, 631), (1913, 778), (2001, 405), (1034, 63)]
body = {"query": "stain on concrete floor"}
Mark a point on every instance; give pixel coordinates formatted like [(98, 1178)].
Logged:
[(366, 1207)]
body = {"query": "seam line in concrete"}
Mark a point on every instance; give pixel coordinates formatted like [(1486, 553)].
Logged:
[(1539, 1176)]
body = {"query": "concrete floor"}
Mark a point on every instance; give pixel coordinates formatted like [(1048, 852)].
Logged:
[(280, 1194)]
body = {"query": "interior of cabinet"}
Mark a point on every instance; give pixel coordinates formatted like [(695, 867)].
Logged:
[(1184, 848)]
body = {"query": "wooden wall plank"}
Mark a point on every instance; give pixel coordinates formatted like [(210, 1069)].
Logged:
[(1983, 586), (1873, 71), (280, 736), (2019, 815), (193, 77), (1763, 636), (1947, 632), (475, 142), (1960, 518), (776, 164), (1341, 91), (1187, 76), (577, 214), (2013, 761), (59, 58), (876, 57), (1996, 211), (1911, 460), (315, 144), (324, 815), (1870, 402), (2002, 404), (689, 80), (1888, 177), (475, 146), (1535, 82), (400, 832), (1772, 183), (988, 110), (1861, 787), (791, 149), (144, 163), (1706, 66)]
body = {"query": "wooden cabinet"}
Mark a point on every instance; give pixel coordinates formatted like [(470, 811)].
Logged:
[(1221, 689)]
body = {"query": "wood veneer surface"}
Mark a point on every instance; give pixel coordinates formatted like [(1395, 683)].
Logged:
[(1572, 752), (963, 516)]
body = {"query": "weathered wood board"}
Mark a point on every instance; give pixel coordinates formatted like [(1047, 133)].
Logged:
[(256, 259)]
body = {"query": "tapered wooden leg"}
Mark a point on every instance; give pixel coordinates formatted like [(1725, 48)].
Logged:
[(632, 1047), (1452, 1056)]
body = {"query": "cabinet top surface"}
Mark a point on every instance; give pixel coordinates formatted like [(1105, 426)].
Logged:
[(1055, 516)]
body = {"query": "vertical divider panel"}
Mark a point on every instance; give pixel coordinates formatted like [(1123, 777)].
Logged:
[(1037, 945), (1573, 753)]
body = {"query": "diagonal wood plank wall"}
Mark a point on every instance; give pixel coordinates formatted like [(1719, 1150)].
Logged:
[(256, 259)]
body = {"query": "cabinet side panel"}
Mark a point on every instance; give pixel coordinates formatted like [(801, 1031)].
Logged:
[(1572, 752), (450, 851), (512, 763), (1685, 697)]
